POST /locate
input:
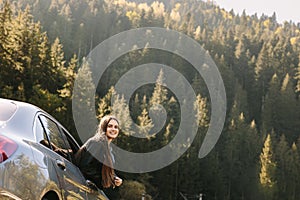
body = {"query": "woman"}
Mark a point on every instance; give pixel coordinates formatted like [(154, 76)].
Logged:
[(95, 159)]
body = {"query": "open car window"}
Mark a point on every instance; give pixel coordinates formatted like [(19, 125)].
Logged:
[(56, 140), (70, 143)]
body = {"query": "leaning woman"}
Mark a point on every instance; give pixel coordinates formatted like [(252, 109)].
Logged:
[(95, 158)]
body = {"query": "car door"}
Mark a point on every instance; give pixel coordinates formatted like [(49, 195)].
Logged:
[(72, 183), (91, 190)]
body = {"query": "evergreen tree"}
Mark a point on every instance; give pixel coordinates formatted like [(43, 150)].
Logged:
[(293, 169), (282, 154), (104, 104), (69, 74), (159, 95), (202, 112), (85, 90), (297, 77), (66, 93), (287, 110), (267, 170), (45, 99), (263, 72), (158, 105), (135, 107), (240, 156), (145, 123), (269, 114), (120, 109)]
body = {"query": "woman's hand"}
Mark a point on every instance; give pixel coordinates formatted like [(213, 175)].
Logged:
[(118, 181)]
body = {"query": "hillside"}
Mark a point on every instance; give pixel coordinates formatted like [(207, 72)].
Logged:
[(258, 59)]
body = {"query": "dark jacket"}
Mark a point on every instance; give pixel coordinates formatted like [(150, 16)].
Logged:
[(89, 159)]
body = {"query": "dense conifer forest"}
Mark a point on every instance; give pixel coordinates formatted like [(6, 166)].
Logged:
[(44, 42)]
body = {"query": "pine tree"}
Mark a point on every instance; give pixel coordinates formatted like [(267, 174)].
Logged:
[(269, 114), (158, 104), (297, 77), (202, 112), (5, 20), (240, 153), (287, 110), (240, 48), (281, 154), (293, 169), (145, 123), (120, 109), (267, 170), (85, 90), (46, 100), (69, 74), (263, 70), (159, 95), (135, 107), (198, 84), (66, 93), (104, 104), (57, 54)]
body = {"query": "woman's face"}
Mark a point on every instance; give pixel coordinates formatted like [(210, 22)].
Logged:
[(112, 130)]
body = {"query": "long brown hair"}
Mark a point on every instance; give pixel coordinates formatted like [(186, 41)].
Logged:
[(107, 172)]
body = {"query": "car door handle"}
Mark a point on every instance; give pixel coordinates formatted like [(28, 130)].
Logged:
[(61, 164)]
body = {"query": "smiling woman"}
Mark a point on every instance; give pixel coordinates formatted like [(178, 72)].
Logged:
[(95, 158)]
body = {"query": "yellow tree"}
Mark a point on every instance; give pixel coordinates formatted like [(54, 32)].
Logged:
[(267, 170)]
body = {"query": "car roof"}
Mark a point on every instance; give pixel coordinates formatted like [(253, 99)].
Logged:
[(7, 109), (17, 118)]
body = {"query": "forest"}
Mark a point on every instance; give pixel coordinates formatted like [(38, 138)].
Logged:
[(44, 45)]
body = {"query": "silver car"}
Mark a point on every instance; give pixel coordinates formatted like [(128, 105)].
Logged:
[(36, 157)]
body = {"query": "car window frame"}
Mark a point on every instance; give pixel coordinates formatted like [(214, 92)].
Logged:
[(49, 138), (72, 143), (67, 138)]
